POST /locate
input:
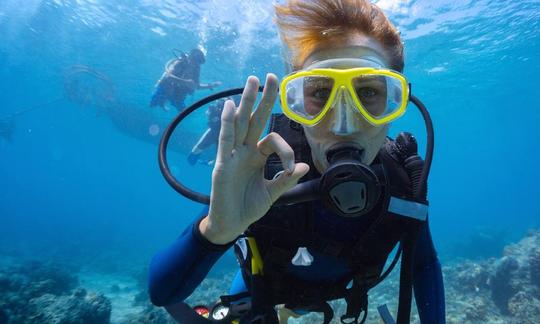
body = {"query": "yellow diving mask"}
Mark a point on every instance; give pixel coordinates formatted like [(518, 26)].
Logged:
[(380, 95)]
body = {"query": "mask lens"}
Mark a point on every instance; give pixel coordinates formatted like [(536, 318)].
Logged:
[(380, 95), (308, 95)]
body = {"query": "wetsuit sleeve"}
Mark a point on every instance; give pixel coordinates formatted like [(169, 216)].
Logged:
[(177, 270), (428, 281)]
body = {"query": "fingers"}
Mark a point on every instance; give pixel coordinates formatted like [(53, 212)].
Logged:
[(260, 116), (286, 181), (226, 133), (274, 143), (244, 110), (242, 127)]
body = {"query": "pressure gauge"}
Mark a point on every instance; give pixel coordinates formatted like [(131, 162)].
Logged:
[(220, 312)]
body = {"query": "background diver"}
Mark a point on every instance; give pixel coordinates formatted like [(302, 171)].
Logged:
[(211, 135), (346, 58), (180, 78)]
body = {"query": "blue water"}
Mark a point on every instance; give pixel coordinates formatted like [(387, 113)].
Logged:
[(76, 187)]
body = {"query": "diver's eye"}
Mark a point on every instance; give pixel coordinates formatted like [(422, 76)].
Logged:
[(366, 93), (321, 94)]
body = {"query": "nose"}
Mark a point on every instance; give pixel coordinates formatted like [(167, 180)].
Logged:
[(344, 121)]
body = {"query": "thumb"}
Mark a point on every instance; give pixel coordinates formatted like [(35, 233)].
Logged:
[(286, 181)]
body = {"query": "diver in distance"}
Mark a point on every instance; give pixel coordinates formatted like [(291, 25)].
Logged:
[(211, 135), (315, 208), (181, 78)]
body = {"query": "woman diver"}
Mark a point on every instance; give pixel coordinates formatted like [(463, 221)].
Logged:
[(344, 90)]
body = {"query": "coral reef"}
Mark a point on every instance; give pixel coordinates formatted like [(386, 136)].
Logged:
[(77, 308), (534, 264), (36, 292), (476, 311), (524, 308), (472, 276), (503, 290)]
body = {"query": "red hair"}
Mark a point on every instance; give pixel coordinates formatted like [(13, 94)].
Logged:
[(304, 26)]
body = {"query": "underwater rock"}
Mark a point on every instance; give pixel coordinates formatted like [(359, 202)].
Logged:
[(472, 276), (48, 276), (525, 308), (79, 292), (476, 310), (500, 282), (510, 294), (101, 306), (36, 292), (90, 309), (534, 267), (39, 288)]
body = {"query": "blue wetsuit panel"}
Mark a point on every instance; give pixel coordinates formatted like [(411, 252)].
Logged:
[(177, 270), (428, 281)]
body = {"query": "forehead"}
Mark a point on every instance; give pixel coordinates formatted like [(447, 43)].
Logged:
[(346, 63), (355, 46)]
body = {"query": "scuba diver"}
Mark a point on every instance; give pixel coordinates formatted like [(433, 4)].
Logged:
[(358, 194), (181, 78), (211, 135)]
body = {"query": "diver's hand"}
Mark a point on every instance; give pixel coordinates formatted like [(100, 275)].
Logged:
[(240, 193)]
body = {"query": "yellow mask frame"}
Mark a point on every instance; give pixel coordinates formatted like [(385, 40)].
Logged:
[(343, 78)]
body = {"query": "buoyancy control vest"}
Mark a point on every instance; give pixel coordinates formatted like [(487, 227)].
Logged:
[(287, 230)]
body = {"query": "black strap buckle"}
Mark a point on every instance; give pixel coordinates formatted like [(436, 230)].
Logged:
[(357, 303)]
